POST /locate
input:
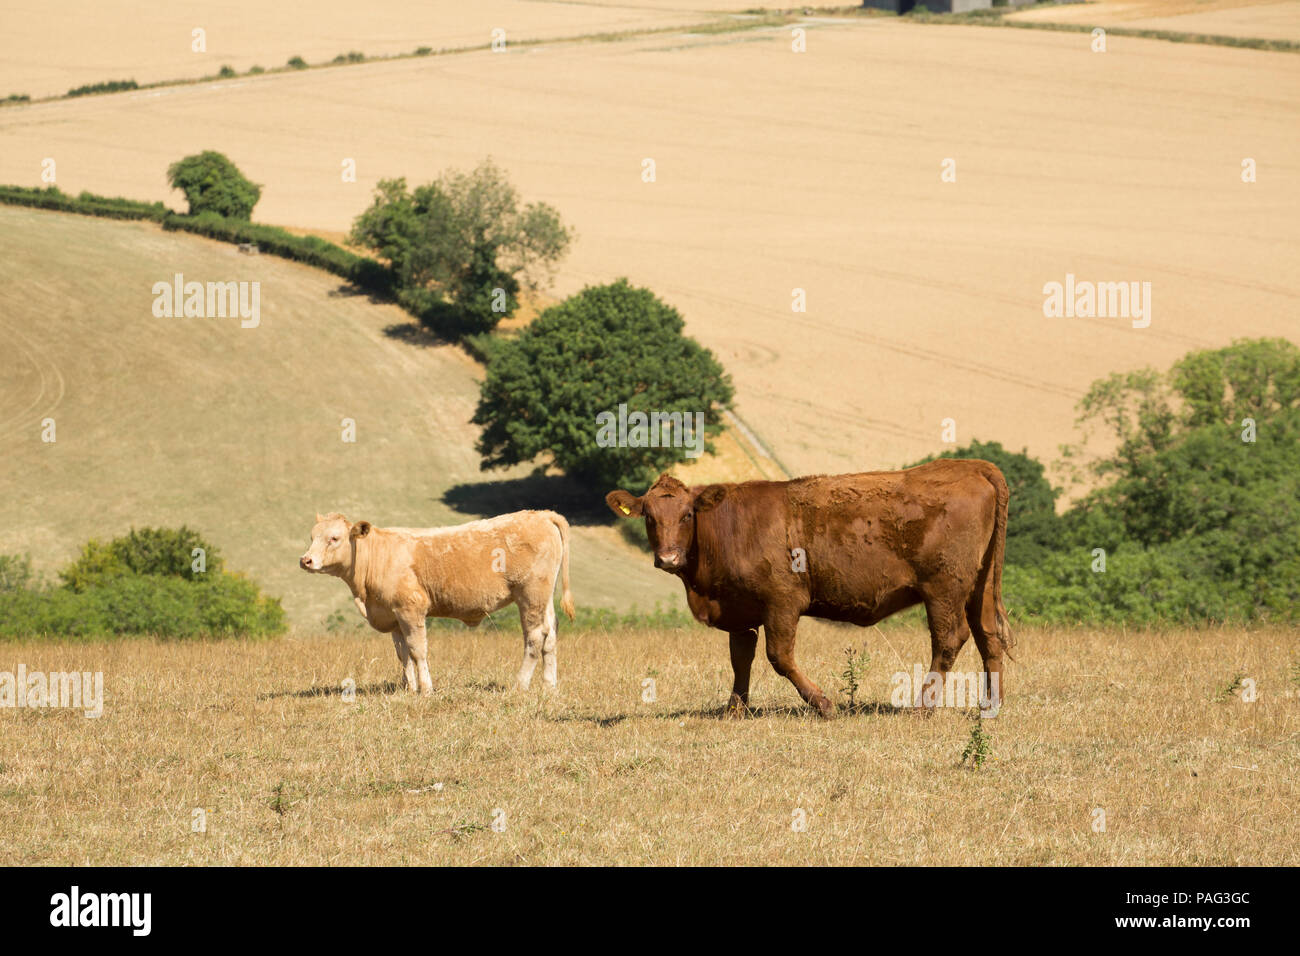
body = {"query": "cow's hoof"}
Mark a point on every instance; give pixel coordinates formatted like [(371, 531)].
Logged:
[(824, 706), (737, 709)]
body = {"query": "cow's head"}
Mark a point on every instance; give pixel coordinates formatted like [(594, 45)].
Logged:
[(331, 544), (669, 509)]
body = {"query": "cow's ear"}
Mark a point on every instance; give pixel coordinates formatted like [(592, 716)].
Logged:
[(359, 530), (624, 504), (319, 517), (709, 497)]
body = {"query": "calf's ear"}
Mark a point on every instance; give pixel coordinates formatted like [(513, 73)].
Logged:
[(624, 504), (359, 530), (709, 497)]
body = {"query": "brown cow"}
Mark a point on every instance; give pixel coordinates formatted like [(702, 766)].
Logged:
[(401, 576), (853, 548)]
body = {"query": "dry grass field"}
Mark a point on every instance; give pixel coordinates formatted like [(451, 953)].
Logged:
[(288, 771), (47, 52), (1269, 20)]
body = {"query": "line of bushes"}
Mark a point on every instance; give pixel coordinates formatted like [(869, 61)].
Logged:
[(86, 203), (156, 581), (108, 86), (311, 250), (366, 273)]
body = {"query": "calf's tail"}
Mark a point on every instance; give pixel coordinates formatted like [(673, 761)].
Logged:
[(566, 597)]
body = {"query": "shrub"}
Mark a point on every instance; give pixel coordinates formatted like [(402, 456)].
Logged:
[(297, 63), (212, 183), (226, 72), (142, 583), (224, 605), (15, 572), (157, 551)]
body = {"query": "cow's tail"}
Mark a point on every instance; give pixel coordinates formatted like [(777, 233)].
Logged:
[(997, 552), (566, 596)]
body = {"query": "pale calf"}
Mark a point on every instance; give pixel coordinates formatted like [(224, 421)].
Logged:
[(400, 576)]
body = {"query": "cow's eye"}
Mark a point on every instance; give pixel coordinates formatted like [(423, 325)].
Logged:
[(687, 517), (334, 540)]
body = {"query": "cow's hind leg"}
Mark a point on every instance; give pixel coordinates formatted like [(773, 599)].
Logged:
[(948, 633), (982, 614), (532, 618), (743, 644), (779, 629)]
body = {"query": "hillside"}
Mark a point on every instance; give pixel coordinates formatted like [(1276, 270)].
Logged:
[(818, 171), (237, 432)]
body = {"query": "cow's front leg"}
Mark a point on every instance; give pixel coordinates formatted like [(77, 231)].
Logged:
[(779, 629), (417, 645), (743, 644)]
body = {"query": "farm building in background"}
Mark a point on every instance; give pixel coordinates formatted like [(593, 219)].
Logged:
[(940, 6)]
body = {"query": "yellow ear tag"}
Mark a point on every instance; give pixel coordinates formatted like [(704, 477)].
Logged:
[(624, 509)]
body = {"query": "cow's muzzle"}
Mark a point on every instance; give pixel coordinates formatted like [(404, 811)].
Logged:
[(305, 563), (668, 560)]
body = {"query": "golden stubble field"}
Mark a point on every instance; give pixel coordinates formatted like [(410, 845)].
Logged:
[(820, 171), (259, 736)]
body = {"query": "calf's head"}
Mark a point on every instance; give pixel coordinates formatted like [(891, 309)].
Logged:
[(331, 548), (670, 510)]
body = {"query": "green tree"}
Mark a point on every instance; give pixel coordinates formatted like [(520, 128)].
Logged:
[(212, 183), (462, 247), (1032, 523), (608, 345), (1199, 512)]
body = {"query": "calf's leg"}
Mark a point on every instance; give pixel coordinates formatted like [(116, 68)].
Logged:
[(417, 645), (533, 621), (779, 628), (549, 662), (403, 655), (743, 644)]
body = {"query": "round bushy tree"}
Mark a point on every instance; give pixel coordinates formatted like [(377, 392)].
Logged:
[(212, 183), (557, 389), (462, 248)]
